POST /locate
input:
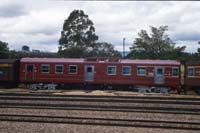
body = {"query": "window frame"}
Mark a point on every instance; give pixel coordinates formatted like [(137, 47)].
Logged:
[(177, 71), (112, 73), (188, 71), (142, 75), (73, 66), (45, 65), (129, 74), (62, 68)]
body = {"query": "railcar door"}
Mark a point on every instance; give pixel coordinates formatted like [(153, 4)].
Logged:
[(29, 72), (159, 77), (89, 73)]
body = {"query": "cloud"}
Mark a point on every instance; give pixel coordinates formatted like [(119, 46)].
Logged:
[(187, 36), (35, 41), (39, 23), (191, 46), (12, 10)]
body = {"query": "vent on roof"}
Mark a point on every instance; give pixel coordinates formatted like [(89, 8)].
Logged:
[(114, 60), (102, 59), (91, 59)]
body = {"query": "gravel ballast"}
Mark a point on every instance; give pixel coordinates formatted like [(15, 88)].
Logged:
[(21, 127)]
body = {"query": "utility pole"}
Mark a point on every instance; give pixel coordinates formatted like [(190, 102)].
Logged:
[(124, 47)]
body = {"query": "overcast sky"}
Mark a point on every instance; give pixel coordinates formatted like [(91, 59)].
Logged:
[(38, 23)]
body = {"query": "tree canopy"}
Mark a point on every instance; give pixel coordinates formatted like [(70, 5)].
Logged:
[(156, 45), (78, 34), (4, 50)]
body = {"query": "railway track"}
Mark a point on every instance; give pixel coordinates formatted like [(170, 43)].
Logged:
[(96, 103), (114, 104), (102, 121), (99, 107), (106, 99), (49, 94), (105, 109)]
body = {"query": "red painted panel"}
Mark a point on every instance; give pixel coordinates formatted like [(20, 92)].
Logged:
[(195, 80)]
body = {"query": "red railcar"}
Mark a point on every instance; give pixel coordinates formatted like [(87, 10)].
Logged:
[(192, 75), (9, 72), (51, 70), (98, 71)]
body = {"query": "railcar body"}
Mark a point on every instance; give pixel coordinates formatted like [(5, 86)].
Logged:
[(100, 71), (51, 70), (9, 72), (192, 75)]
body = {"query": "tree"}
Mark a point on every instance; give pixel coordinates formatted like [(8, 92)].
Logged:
[(152, 46), (103, 49), (25, 48), (4, 50), (20, 54), (198, 49), (78, 34)]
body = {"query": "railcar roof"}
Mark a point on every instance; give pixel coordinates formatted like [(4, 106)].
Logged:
[(128, 61), (195, 63), (8, 60), (52, 60), (164, 62)]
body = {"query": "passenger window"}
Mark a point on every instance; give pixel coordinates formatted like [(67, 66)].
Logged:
[(175, 72), (141, 71), (89, 69), (72, 69), (45, 68), (111, 70), (126, 70), (2, 71), (190, 72), (29, 68), (59, 68), (159, 71)]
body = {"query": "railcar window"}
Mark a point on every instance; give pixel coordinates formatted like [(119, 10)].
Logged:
[(141, 71), (59, 68), (45, 68), (89, 69), (111, 70), (190, 72), (72, 69), (2, 71), (159, 71), (126, 70), (29, 68), (175, 72)]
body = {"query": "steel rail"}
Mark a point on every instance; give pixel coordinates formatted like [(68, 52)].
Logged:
[(113, 100), (102, 110), (102, 121), (99, 106), (99, 96)]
